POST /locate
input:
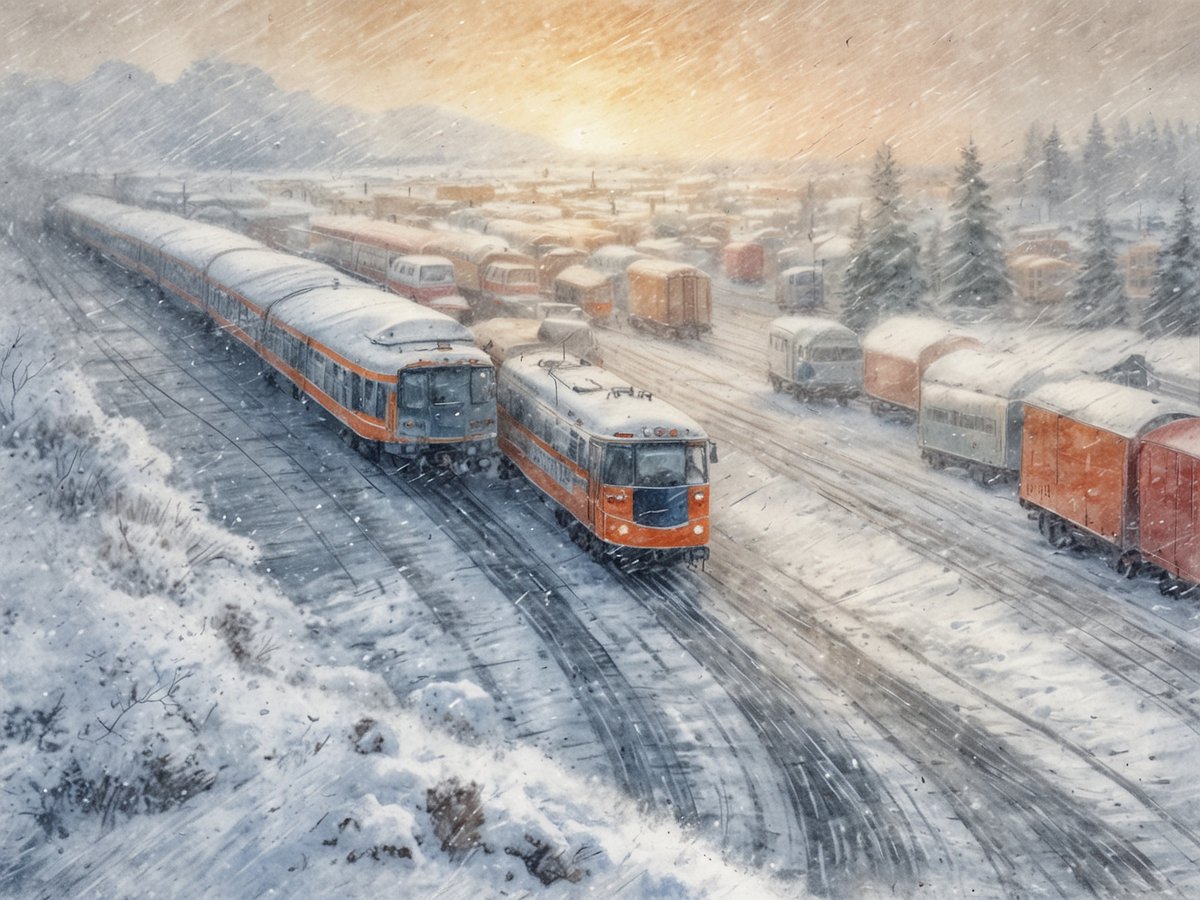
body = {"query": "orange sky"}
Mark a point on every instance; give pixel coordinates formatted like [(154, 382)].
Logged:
[(694, 78)]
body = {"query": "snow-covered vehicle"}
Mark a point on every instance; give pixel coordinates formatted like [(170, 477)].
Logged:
[(814, 358), (399, 378), (627, 473), (668, 298)]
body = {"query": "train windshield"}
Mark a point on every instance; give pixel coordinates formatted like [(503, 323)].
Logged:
[(446, 386), (658, 464), (437, 275)]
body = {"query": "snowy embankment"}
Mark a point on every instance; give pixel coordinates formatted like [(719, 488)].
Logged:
[(171, 724)]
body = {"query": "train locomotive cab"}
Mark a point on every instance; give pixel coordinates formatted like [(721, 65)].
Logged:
[(627, 472), (812, 358)]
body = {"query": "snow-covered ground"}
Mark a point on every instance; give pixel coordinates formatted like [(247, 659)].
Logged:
[(173, 725)]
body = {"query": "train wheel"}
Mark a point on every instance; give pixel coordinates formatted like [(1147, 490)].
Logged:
[(1127, 564)]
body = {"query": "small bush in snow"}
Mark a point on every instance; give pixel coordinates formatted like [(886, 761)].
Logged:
[(544, 864), (457, 814)]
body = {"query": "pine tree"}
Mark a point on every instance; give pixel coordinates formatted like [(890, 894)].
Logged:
[(1174, 304), (1124, 156), (887, 277), (1098, 298), (1031, 161), (1056, 172), (934, 262), (856, 313), (976, 275), (1097, 165)]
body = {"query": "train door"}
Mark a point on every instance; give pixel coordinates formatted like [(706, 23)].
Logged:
[(690, 300), (595, 467)]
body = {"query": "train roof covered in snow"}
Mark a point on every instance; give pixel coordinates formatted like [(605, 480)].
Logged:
[(597, 401), (1124, 411), (806, 329), (907, 336), (996, 373)]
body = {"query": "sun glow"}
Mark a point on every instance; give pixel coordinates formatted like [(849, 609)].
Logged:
[(592, 136)]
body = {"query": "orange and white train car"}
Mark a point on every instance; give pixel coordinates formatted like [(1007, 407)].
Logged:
[(400, 378), (627, 472)]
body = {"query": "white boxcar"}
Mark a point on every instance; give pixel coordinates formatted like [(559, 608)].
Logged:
[(812, 357)]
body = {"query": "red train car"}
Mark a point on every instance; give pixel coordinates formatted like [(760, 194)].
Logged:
[(895, 356), (1169, 488), (1079, 463), (743, 261)]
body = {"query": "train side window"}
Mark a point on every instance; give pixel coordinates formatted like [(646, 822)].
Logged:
[(381, 395), (618, 464), (368, 397), (414, 390), (356, 391)]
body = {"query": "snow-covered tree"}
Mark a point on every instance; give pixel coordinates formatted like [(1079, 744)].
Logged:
[(855, 311), (975, 273), (1031, 161), (1098, 298), (1097, 167), (887, 276), (935, 262), (1174, 305), (1056, 172)]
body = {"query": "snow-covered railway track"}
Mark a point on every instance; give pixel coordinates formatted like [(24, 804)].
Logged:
[(1165, 672), (639, 750), (162, 366), (1094, 624)]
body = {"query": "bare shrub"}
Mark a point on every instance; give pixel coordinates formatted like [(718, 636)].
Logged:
[(17, 372), (457, 814), (41, 726), (161, 693), (157, 784), (236, 626), (544, 865), (79, 481)]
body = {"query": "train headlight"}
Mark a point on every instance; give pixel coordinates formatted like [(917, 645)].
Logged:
[(623, 530), (699, 529), (699, 496)]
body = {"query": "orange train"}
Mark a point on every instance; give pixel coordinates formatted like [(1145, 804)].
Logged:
[(401, 379), (627, 472)]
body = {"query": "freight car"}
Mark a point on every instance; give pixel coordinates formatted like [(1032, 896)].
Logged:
[(587, 289), (669, 298), (615, 260), (400, 379), (972, 410), (1080, 466), (503, 338), (626, 472), (895, 355), (814, 358), (742, 261), (800, 289), (1169, 495)]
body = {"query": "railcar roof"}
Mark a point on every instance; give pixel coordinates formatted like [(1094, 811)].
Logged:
[(597, 400), (1113, 407), (663, 267), (996, 373), (1182, 435), (365, 228), (618, 252), (424, 259), (1088, 351), (265, 276), (907, 335), (806, 329), (583, 276), (374, 328)]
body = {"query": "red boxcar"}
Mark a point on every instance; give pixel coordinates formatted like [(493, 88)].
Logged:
[(1169, 485), (895, 356), (743, 261), (1079, 462)]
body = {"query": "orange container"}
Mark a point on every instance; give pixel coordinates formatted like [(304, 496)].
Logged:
[(1169, 484)]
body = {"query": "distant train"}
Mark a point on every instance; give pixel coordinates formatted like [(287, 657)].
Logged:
[(494, 279), (627, 473), (401, 379), (670, 299), (1101, 464), (814, 358)]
